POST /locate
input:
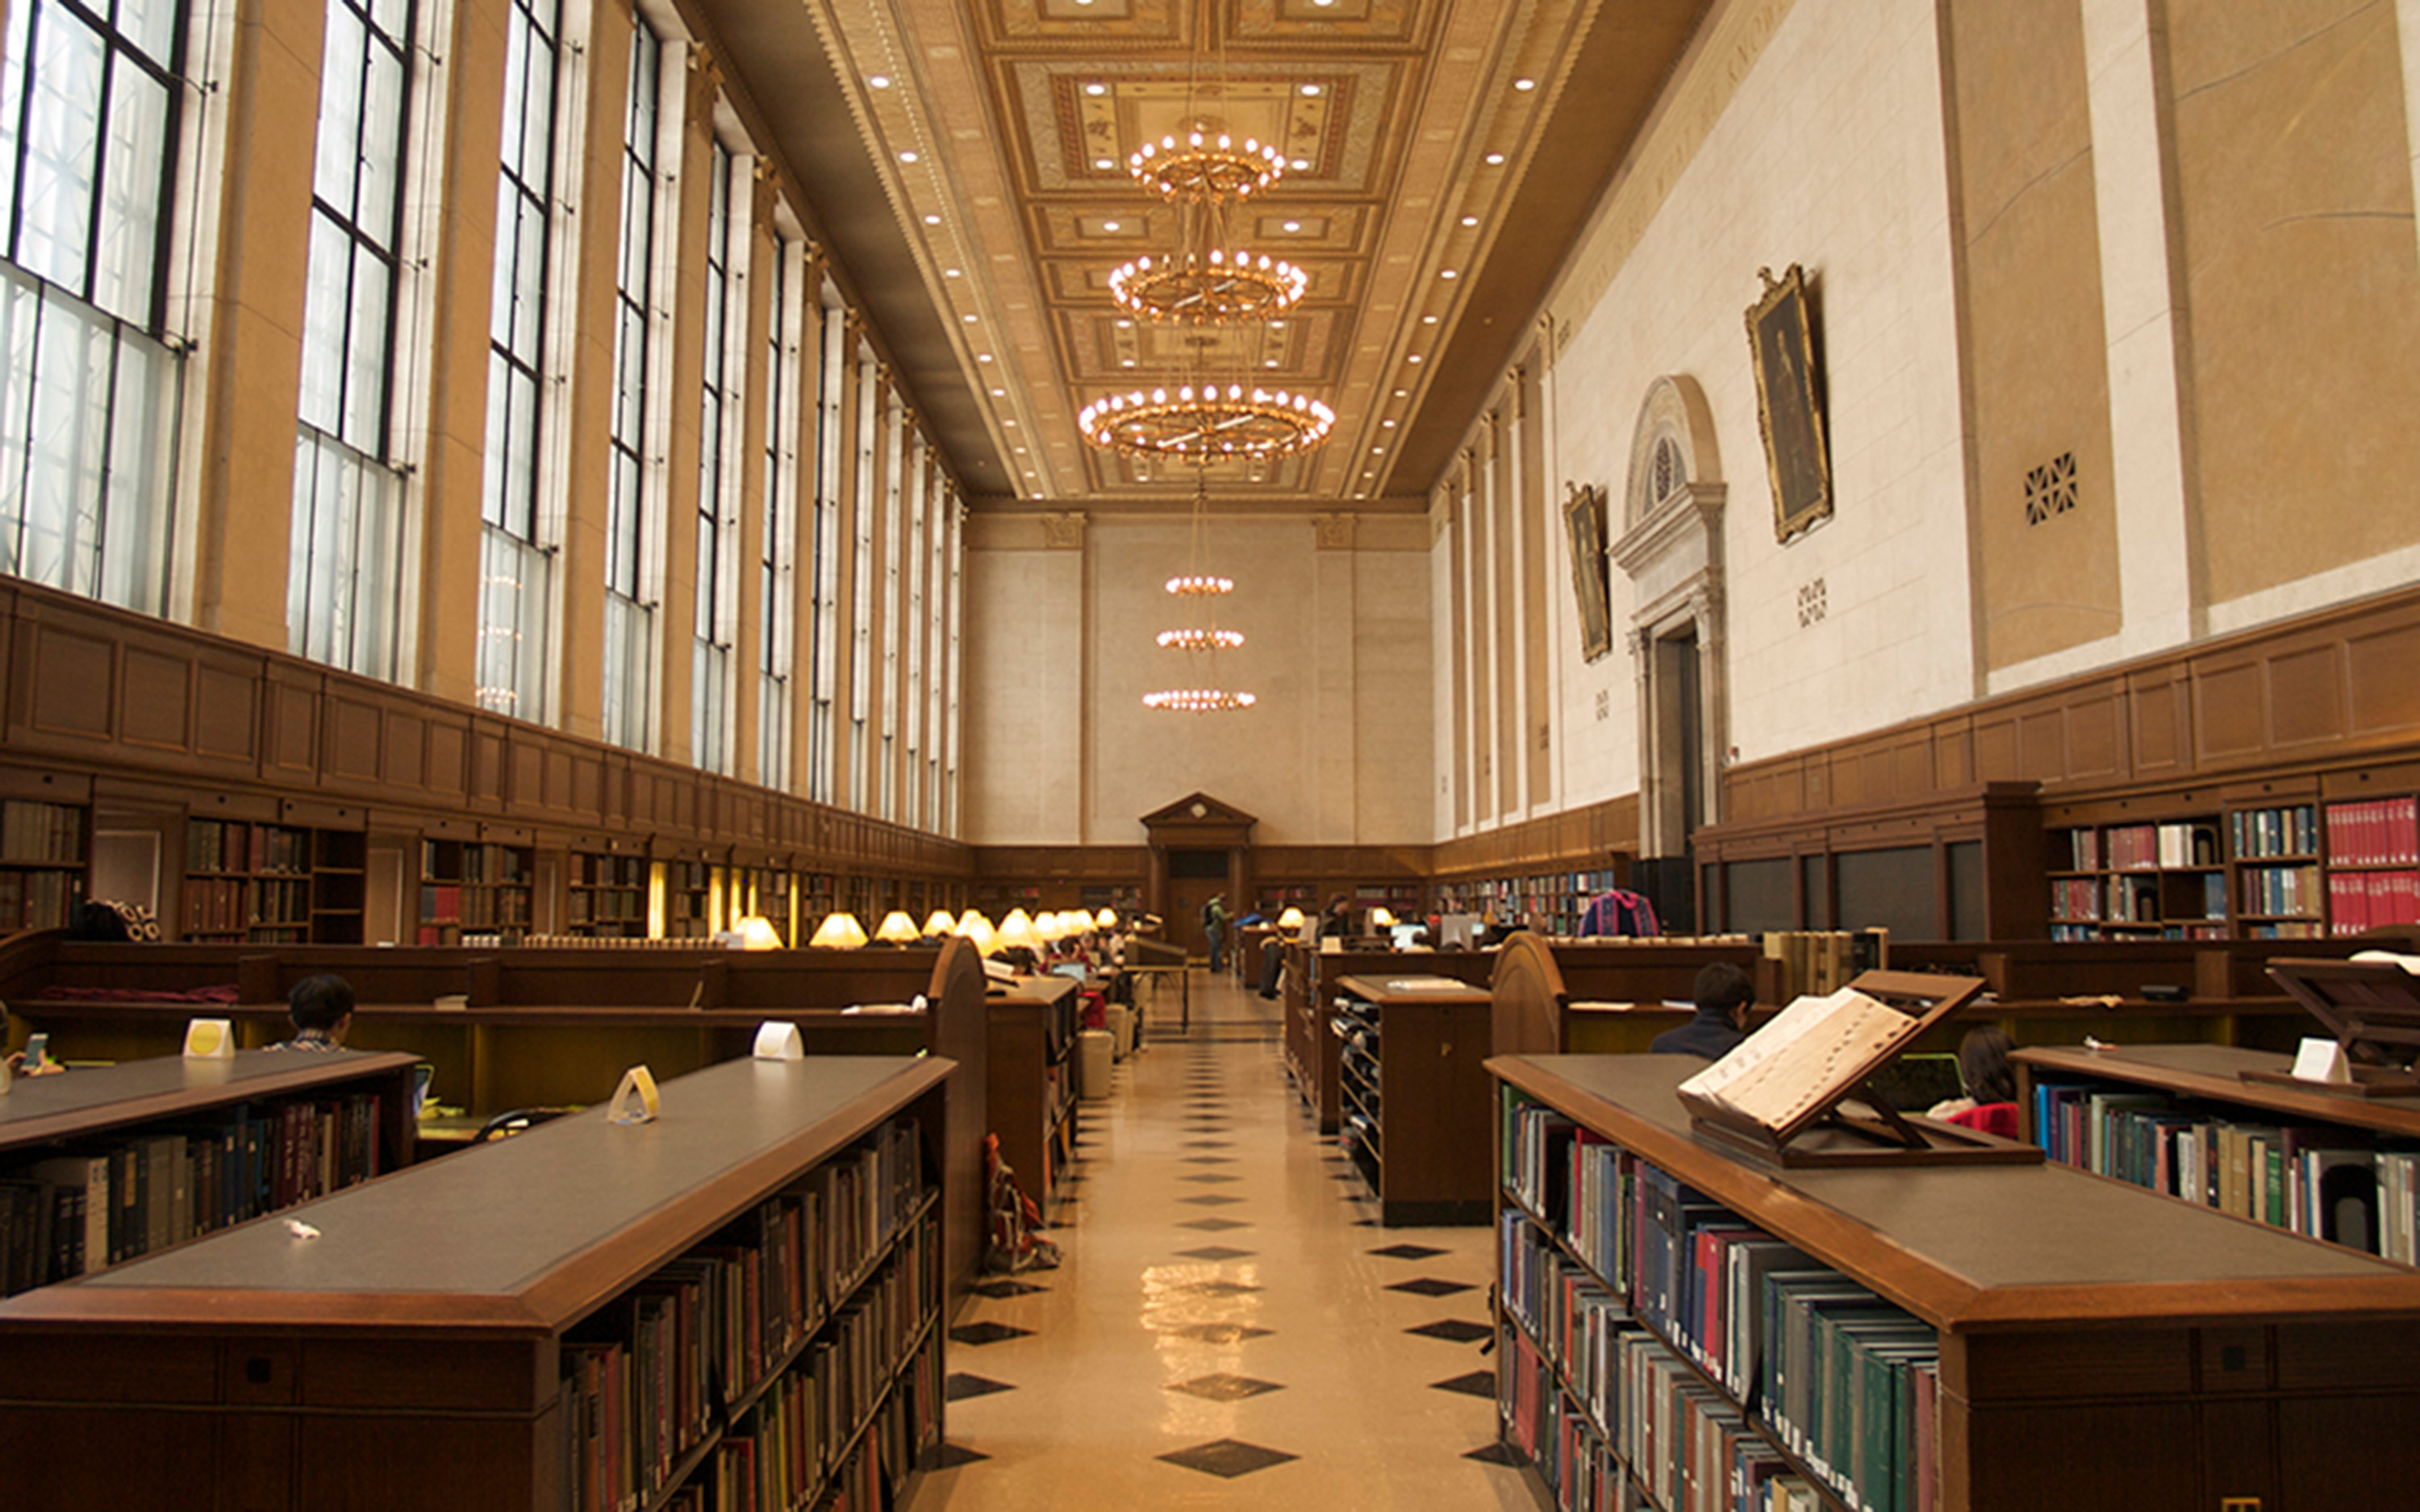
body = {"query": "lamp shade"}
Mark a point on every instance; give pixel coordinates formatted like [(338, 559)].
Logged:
[(1048, 928), (839, 931), (941, 923), (897, 928), (977, 932), (1381, 919), (1077, 922), (757, 932), (1290, 919), (1107, 918), (1016, 931)]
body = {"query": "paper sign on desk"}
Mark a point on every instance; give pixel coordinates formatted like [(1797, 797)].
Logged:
[(7, 1076), (2322, 1061), (776, 1041), (636, 1101), (210, 1040)]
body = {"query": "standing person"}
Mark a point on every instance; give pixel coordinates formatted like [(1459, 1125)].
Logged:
[(1214, 922), (1337, 922), (322, 1009)]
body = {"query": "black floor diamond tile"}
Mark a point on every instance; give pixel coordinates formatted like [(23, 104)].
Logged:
[(1430, 1286), (1221, 1289), (1365, 1223), (964, 1387), (987, 1333), (1214, 1225), (1210, 1199), (1407, 1251), (1228, 1458), (1209, 1144), (1001, 1291), (1215, 1253), (1211, 1178), (1207, 1160), (1477, 1384), (1454, 1330), (1496, 1454), (1217, 1332), (955, 1455), (1223, 1387)]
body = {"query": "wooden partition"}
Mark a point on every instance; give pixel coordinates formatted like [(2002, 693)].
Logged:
[(538, 1027), (1554, 996)]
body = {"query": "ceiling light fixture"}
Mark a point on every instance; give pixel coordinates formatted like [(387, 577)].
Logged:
[(1207, 423), (1202, 639)]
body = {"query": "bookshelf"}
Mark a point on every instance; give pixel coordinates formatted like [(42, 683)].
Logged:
[(2164, 880), (41, 863), (2373, 864), (2276, 870), (440, 1346), (339, 886), (1031, 1096), (2179, 1120), (2055, 1330), (607, 896), (1552, 901), (1312, 1051), (249, 882), (1415, 1048), (473, 888), (108, 1164)]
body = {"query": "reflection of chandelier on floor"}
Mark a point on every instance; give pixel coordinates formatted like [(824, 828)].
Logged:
[(1201, 642)]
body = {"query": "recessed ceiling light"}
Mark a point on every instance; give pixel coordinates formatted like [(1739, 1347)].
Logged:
[(1378, 451), (949, 272), (906, 157), (1428, 319), (1105, 163), (1387, 423), (1402, 392), (1415, 357), (1126, 361), (1009, 423), (1300, 166), (999, 393), (1310, 91), (1525, 83), (1447, 273), (1126, 325), (1271, 363), (1293, 225), (880, 80), (1471, 220), (1277, 325), (984, 357), (1096, 89), (1495, 158), (1111, 226), (932, 220), (968, 319), (1021, 450)]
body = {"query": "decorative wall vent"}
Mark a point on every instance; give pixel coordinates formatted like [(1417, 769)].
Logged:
[(2050, 489), (1811, 604)]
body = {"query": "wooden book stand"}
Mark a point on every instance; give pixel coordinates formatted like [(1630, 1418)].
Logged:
[(2372, 1008), (1825, 1134)]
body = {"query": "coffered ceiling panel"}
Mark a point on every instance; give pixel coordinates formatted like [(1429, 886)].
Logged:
[(1442, 155)]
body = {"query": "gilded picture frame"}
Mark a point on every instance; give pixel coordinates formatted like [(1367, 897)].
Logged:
[(1790, 404), (1584, 506)]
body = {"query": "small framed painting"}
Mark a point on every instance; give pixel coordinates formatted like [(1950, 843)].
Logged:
[(1790, 404)]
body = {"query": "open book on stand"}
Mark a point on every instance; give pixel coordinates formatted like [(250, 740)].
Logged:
[(1784, 1095)]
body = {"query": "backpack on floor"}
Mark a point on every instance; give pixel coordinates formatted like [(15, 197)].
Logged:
[(1012, 1217)]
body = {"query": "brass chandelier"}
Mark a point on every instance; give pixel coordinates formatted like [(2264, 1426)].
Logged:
[(1211, 423), (1204, 638)]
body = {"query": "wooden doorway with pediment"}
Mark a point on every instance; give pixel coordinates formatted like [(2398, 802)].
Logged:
[(1201, 848)]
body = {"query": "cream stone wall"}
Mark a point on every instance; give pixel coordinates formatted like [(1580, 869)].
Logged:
[(1829, 154), (1060, 649)]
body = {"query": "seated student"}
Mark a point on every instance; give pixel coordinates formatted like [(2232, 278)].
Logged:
[(1991, 1101), (322, 1009), (1337, 924), (1723, 993)]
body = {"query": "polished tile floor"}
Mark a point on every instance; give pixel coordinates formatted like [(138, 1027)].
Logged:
[(1228, 1327)]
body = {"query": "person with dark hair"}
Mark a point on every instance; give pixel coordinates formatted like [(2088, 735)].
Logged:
[(1337, 924), (1723, 994), (322, 1009), (1990, 1084)]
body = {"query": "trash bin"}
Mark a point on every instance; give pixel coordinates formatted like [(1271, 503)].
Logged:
[(1094, 1051), (1122, 1029)]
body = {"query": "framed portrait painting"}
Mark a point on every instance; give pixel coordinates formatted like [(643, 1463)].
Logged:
[(1584, 521), (1790, 404)]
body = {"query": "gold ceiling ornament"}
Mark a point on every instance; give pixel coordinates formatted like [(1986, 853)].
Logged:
[(1201, 642), (1216, 287), (1208, 422), (1205, 166)]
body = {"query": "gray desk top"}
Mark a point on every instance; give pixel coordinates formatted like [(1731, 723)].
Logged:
[(42, 1109)]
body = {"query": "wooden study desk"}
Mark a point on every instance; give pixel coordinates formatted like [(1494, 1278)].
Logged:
[(417, 1354), (1417, 1115), (1308, 1002), (2098, 1345), (1033, 1078)]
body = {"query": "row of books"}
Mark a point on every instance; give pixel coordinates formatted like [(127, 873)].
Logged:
[(2359, 901), (2326, 1182), (448, 861), (31, 830), (2293, 830), (1822, 961), (224, 905), (2375, 832), (1598, 1240), (1680, 1447), (233, 845), (2181, 844), (2271, 890), (607, 906), (38, 899), (474, 906), (785, 1328), (589, 870), (67, 1215)]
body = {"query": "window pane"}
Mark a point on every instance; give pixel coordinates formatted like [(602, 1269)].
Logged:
[(382, 152), (129, 210), (65, 457), (365, 384), (337, 163), (324, 305), (149, 24), (61, 151)]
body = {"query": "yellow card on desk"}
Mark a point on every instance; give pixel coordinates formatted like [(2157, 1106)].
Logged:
[(210, 1040), (636, 1101)]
